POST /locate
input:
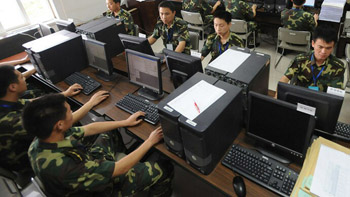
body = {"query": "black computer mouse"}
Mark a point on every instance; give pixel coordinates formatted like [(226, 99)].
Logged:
[(140, 117), (239, 186)]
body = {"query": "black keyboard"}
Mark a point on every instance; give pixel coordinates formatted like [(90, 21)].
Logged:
[(89, 84), (132, 103), (342, 130), (260, 169)]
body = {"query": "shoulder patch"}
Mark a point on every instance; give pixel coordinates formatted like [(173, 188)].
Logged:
[(75, 154)]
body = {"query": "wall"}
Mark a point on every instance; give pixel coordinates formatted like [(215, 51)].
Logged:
[(80, 11)]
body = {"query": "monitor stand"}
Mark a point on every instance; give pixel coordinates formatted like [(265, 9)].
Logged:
[(272, 155), (149, 94), (105, 77)]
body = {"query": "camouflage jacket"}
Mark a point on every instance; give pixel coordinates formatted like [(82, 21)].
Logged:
[(297, 19), (332, 74), (67, 167), (14, 140), (213, 45), (239, 9), (176, 33), (201, 6), (127, 20)]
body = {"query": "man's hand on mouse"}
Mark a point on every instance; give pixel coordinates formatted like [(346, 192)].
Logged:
[(98, 97), (133, 119), (72, 90)]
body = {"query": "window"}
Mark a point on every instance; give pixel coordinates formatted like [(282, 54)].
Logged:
[(19, 13)]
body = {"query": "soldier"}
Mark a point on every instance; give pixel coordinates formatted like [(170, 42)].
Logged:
[(318, 69), (242, 10), (203, 7), (171, 29), (14, 140), (223, 39), (67, 167), (297, 19), (114, 10)]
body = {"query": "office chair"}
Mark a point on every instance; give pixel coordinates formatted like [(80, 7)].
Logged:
[(39, 187), (195, 21), (194, 37), (292, 40), (240, 27)]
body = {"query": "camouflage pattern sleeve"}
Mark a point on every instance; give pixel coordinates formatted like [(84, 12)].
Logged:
[(157, 29), (293, 68), (336, 70), (246, 10), (128, 22), (206, 7), (207, 47), (309, 21)]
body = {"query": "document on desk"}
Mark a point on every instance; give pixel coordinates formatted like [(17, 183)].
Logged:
[(332, 173), (196, 100), (230, 60), (332, 10)]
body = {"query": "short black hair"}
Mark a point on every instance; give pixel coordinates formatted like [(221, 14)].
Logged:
[(7, 76), (167, 4), (224, 15), (40, 116), (116, 1), (299, 2), (326, 33)]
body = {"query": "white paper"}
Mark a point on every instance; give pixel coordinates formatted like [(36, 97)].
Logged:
[(196, 53), (336, 91), (230, 60), (202, 94), (306, 109), (332, 10), (332, 173)]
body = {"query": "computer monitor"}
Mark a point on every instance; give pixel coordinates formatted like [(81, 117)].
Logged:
[(309, 3), (45, 29), (327, 106), (144, 70), (99, 58), (136, 43), (67, 25), (182, 66), (279, 126)]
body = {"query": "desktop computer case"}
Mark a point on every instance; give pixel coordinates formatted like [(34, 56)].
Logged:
[(169, 117), (208, 136), (58, 55)]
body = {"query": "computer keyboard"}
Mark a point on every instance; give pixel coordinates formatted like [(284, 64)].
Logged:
[(342, 130), (132, 103), (263, 171), (89, 84)]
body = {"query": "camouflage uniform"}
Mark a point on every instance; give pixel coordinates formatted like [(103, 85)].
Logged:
[(68, 167), (178, 32), (213, 44), (201, 6), (241, 10), (332, 75), (14, 140), (127, 19), (298, 19)]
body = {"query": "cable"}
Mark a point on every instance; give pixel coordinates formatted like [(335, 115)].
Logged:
[(25, 34)]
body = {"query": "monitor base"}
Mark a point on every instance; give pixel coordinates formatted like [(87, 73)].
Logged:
[(149, 94), (105, 77)]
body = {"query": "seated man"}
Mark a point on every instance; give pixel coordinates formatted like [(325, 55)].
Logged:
[(242, 10), (317, 69), (114, 10), (14, 140), (67, 167), (171, 29), (297, 19), (223, 39), (201, 6)]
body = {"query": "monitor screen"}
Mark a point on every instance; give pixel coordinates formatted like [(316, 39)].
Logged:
[(67, 25), (144, 70), (45, 29), (98, 57), (182, 66), (279, 125), (309, 3), (136, 43), (327, 106)]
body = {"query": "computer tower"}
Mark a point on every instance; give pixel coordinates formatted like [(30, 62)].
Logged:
[(105, 30), (58, 55), (207, 137), (269, 6), (169, 117)]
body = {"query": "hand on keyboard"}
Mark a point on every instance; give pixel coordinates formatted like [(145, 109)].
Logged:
[(73, 90), (133, 119), (98, 97)]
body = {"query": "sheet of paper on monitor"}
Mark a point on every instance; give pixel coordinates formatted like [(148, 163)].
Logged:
[(196, 100), (332, 173), (332, 10), (230, 60)]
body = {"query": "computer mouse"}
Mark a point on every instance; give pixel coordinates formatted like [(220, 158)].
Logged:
[(106, 93), (140, 117), (239, 186)]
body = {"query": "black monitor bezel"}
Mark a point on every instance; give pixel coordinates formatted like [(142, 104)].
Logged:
[(334, 103), (274, 145), (159, 91), (67, 25), (134, 40)]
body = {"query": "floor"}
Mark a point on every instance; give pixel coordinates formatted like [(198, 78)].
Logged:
[(267, 46)]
